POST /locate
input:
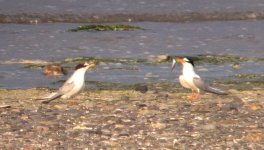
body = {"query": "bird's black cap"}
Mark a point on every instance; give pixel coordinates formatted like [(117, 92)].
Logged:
[(190, 60), (80, 66)]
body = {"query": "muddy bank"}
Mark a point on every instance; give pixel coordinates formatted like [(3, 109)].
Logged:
[(36, 18), (83, 11), (130, 119)]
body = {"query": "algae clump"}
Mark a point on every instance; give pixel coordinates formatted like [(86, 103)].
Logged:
[(118, 27)]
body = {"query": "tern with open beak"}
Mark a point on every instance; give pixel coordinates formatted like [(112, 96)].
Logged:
[(189, 79), (72, 86)]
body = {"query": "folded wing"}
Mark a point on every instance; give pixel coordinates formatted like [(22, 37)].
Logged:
[(201, 85)]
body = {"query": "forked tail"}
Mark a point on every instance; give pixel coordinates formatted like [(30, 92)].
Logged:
[(215, 90), (49, 98)]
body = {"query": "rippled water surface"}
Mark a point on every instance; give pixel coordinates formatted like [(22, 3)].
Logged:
[(53, 43)]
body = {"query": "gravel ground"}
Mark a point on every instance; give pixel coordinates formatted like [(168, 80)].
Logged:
[(129, 119)]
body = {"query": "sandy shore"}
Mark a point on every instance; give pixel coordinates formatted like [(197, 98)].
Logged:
[(129, 119)]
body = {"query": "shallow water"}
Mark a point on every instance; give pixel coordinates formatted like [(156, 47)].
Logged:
[(52, 42)]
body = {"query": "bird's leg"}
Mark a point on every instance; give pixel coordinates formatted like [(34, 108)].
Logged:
[(197, 95), (72, 101), (190, 97), (194, 96)]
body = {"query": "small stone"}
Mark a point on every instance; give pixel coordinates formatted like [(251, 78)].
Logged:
[(123, 134), (158, 125), (60, 106), (161, 58), (81, 127), (24, 117), (141, 105), (72, 102), (42, 129), (254, 107), (162, 97), (211, 126), (227, 123), (124, 98), (236, 66), (143, 112), (109, 107), (252, 16), (200, 108), (119, 126), (5, 106), (7, 133), (28, 148), (141, 88), (254, 137), (106, 132)]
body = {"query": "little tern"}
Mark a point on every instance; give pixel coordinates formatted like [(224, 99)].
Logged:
[(72, 86), (189, 79)]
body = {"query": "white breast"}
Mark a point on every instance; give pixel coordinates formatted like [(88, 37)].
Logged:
[(187, 76), (78, 80)]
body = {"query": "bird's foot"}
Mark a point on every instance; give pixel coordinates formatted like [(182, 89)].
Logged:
[(193, 97), (72, 102)]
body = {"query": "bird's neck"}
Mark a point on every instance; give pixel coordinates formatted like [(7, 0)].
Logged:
[(188, 69), (78, 75)]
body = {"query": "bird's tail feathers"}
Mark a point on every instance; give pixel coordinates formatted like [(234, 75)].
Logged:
[(50, 97), (215, 91)]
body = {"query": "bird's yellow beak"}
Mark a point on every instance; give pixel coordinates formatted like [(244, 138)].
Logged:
[(173, 64), (91, 65), (176, 60), (180, 60)]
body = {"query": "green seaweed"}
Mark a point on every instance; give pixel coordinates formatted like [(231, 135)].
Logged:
[(219, 59), (250, 76), (118, 27), (98, 60), (130, 61), (199, 59), (82, 60), (34, 66)]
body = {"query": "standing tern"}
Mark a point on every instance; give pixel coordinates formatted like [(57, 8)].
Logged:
[(189, 79), (72, 86)]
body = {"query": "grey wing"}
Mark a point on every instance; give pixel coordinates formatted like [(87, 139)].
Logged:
[(51, 96), (66, 88), (201, 85)]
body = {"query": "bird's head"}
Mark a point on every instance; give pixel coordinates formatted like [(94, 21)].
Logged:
[(181, 60), (85, 65)]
